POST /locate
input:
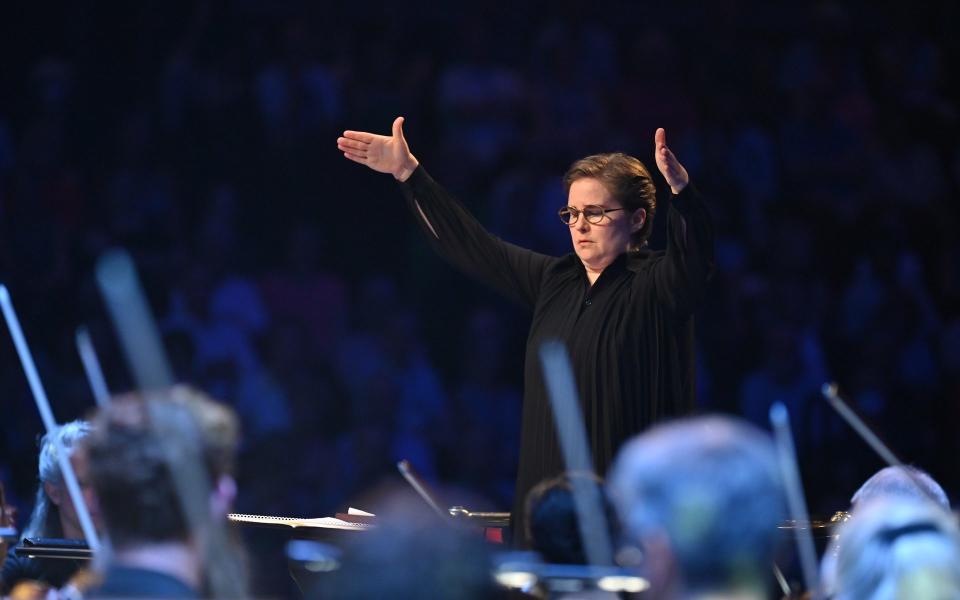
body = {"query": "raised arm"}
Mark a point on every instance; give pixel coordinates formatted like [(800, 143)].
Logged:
[(681, 276), (449, 227)]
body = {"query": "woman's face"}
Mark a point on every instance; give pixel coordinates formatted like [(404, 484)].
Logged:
[(69, 520), (599, 244)]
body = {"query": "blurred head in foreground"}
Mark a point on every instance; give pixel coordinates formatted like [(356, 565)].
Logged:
[(412, 553), (906, 483), (140, 445), (553, 526), (901, 482), (702, 499), (897, 548)]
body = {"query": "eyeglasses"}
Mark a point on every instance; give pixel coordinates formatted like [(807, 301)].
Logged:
[(594, 214)]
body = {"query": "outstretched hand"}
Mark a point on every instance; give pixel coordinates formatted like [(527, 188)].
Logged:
[(384, 154), (676, 176)]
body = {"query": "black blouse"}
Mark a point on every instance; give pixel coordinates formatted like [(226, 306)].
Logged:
[(629, 336)]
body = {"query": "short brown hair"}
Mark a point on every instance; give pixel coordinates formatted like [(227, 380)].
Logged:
[(129, 464), (627, 180)]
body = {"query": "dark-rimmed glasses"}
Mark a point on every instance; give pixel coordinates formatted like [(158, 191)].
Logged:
[(594, 214)]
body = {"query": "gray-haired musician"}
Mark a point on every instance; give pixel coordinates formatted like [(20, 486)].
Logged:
[(702, 499), (897, 547), (903, 482), (54, 515)]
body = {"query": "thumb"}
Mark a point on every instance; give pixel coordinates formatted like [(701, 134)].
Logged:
[(660, 138), (398, 127)]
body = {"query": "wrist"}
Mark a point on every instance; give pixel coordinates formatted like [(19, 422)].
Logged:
[(406, 169)]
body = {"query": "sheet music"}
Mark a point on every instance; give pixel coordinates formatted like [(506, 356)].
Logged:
[(295, 522)]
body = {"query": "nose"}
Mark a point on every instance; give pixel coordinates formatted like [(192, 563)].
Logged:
[(582, 224)]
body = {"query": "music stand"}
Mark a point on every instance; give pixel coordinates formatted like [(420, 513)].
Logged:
[(54, 548), (487, 520)]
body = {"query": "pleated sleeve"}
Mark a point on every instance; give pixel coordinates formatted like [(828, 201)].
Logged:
[(456, 235), (681, 275)]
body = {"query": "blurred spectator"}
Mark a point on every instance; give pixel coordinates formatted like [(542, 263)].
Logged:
[(301, 291), (391, 380), (482, 437), (481, 103), (792, 373)]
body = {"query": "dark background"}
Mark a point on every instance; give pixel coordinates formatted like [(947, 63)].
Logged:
[(291, 283)]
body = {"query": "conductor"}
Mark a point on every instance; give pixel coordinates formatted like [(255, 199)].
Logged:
[(624, 312)]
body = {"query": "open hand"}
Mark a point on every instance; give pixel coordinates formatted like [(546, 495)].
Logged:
[(676, 176), (384, 154)]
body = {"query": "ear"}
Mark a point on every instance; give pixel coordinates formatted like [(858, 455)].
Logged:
[(222, 496), (661, 563), (638, 219), (54, 492)]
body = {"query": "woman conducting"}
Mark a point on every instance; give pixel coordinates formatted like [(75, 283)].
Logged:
[(624, 312)]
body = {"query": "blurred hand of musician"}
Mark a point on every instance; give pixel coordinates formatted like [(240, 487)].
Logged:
[(676, 176), (33, 590), (384, 154)]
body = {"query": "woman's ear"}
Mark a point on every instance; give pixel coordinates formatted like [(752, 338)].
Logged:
[(638, 219)]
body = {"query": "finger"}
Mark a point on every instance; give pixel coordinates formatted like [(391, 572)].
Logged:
[(398, 128), (353, 152), (345, 143), (356, 158), (660, 138), (360, 136)]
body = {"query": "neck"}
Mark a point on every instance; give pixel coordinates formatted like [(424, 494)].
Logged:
[(177, 559), (71, 531), (595, 270), (592, 274)]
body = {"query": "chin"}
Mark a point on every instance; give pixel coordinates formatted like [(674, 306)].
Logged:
[(593, 262)]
